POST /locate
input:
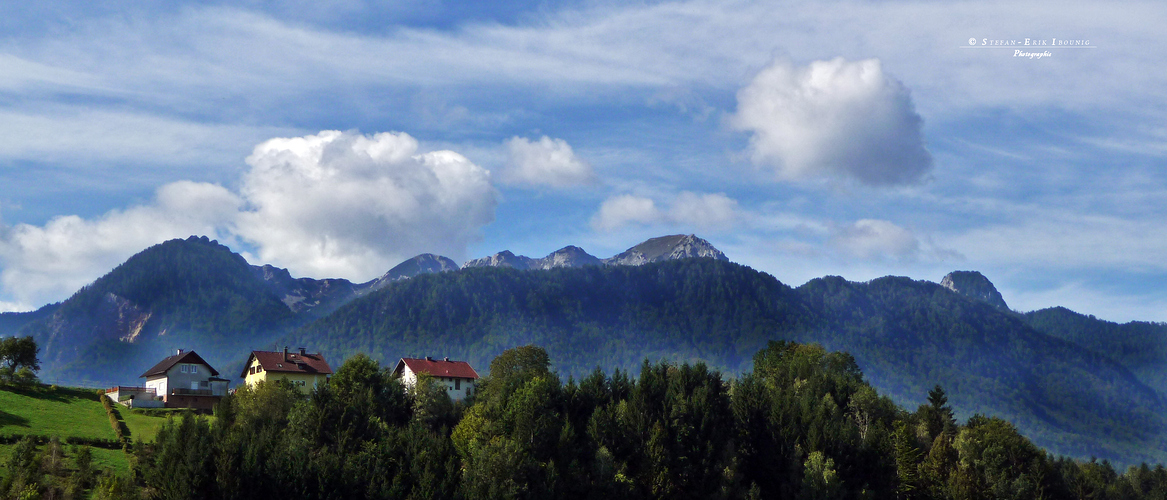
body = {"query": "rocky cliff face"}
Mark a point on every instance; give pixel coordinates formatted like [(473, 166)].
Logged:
[(975, 285), (306, 294), (664, 248)]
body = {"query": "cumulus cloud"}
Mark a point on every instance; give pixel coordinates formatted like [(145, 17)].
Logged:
[(622, 210), (834, 119), (870, 239), (547, 161), (705, 211), (350, 205), (334, 204), (45, 263)]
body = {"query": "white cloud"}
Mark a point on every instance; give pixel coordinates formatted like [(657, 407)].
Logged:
[(622, 210), (705, 211), (871, 239), (349, 205), (699, 211), (334, 204), (836, 119), (47, 263), (547, 161)]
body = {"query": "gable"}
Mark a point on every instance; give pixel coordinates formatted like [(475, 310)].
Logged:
[(189, 357)]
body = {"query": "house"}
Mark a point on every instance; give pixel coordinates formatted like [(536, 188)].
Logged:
[(184, 380), (457, 376), (301, 369)]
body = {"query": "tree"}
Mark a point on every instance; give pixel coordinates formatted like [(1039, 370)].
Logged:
[(19, 358)]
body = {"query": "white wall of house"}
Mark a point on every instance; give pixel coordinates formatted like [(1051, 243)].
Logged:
[(158, 383), (182, 376), (457, 388)]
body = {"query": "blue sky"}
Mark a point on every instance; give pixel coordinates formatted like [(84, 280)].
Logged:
[(850, 138)]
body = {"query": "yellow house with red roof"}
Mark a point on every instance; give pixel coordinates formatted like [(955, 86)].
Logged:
[(302, 369), (457, 376)]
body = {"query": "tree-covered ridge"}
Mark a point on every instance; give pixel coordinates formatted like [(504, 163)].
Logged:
[(910, 334), (1139, 345), (684, 309), (907, 335), (180, 293), (192, 284), (12, 322), (802, 424)]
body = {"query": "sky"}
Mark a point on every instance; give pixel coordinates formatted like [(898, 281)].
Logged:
[(803, 139)]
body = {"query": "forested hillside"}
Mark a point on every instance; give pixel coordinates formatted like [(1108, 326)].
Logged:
[(1139, 345), (1048, 372), (906, 334), (685, 310), (909, 334), (180, 293)]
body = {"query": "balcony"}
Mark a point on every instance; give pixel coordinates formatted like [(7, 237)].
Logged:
[(191, 392)]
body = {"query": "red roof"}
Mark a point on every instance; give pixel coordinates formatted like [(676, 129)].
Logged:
[(170, 361), (274, 361), (437, 367)]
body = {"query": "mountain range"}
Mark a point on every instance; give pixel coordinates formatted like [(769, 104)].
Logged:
[(1074, 384)]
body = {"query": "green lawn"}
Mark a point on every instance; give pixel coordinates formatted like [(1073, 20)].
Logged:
[(143, 428), (63, 412)]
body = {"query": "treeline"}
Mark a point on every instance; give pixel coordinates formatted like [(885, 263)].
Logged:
[(803, 424)]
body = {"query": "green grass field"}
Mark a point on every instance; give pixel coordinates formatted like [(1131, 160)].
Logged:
[(143, 428), (63, 412)]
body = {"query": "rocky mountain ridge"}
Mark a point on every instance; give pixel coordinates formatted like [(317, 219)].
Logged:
[(659, 249)]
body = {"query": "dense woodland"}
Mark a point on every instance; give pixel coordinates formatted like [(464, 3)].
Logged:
[(801, 424)]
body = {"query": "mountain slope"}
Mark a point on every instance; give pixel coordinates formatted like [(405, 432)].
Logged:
[(1140, 346), (181, 293), (12, 322), (422, 264), (677, 246), (906, 335), (623, 312)]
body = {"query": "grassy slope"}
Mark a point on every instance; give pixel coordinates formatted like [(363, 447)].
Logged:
[(45, 412), (68, 412)]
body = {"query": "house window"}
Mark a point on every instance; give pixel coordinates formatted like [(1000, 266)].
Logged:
[(183, 368), (251, 371), (194, 368), (457, 384)]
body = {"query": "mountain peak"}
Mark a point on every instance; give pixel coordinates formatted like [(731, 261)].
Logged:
[(568, 256), (677, 246), (975, 285), (502, 259), (421, 264)]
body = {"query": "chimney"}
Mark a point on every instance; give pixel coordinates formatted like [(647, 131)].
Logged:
[(303, 352), (285, 353), (447, 359), (429, 358), (179, 353)]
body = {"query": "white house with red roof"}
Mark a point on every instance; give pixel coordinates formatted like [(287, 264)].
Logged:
[(457, 376)]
